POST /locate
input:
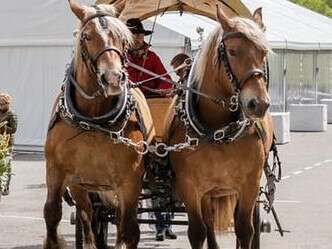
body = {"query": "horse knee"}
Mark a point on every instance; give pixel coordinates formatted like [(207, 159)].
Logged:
[(128, 230), (52, 212), (131, 232), (197, 233), (244, 232)]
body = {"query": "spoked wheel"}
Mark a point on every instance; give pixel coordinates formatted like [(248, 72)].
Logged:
[(257, 227), (78, 232), (100, 228)]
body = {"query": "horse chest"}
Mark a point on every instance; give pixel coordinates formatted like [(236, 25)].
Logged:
[(221, 166)]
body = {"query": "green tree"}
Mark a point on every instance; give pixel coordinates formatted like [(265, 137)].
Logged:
[(321, 6)]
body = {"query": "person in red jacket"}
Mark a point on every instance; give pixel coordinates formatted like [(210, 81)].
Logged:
[(142, 56)]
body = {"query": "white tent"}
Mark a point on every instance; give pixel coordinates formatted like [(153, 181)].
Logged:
[(36, 43), (289, 26)]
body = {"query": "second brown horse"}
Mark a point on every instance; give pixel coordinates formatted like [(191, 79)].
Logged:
[(219, 182)]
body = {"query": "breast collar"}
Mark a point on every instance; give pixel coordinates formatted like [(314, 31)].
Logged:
[(69, 110), (228, 133)]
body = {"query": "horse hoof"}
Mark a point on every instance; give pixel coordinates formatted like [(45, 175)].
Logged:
[(49, 244), (89, 246), (120, 246)]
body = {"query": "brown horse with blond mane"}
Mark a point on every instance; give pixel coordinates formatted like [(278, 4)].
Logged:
[(219, 180), (95, 139)]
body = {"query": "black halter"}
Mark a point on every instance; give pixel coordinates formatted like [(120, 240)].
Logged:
[(222, 57)]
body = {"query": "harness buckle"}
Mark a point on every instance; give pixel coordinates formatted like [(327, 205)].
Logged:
[(115, 136), (219, 135), (234, 102), (193, 142), (84, 125)]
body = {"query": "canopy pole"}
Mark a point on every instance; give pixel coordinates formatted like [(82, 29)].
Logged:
[(150, 39)]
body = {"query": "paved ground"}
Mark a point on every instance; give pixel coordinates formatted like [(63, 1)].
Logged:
[(304, 202)]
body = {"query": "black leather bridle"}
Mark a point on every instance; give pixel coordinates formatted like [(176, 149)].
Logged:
[(91, 60), (222, 57)]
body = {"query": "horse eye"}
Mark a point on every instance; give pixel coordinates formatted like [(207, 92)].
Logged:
[(86, 37), (232, 52)]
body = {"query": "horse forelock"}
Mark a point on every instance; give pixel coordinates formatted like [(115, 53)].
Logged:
[(115, 26), (210, 49), (252, 32)]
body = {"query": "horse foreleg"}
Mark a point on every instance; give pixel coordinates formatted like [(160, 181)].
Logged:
[(53, 207), (128, 233), (197, 231), (84, 212), (243, 221), (208, 216)]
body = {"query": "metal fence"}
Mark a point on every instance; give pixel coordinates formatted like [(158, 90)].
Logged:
[(299, 77)]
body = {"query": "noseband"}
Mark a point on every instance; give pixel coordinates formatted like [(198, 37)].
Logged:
[(222, 57), (91, 61)]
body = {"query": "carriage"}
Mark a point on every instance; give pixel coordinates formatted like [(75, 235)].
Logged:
[(159, 174)]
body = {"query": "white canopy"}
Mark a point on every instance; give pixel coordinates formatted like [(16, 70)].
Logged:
[(294, 27), (35, 44), (288, 25)]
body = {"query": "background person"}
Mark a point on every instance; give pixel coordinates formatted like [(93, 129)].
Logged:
[(179, 60), (7, 115), (141, 55)]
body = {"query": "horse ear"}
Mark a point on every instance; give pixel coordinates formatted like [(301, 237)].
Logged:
[(258, 18), (76, 9), (119, 5), (223, 19)]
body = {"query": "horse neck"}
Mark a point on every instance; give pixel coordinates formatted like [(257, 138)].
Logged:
[(213, 84), (95, 107)]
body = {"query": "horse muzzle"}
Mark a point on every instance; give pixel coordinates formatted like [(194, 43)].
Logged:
[(113, 82), (257, 107)]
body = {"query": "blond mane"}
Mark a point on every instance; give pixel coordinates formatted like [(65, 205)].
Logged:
[(116, 27), (210, 47)]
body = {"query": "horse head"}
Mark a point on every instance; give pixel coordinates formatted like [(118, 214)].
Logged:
[(101, 45), (243, 49)]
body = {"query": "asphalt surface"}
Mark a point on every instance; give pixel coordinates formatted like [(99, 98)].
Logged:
[(304, 203)]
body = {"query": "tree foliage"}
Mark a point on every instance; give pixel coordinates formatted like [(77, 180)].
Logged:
[(4, 139), (321, 6)]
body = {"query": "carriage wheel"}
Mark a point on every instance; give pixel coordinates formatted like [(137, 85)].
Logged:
[(100, 229), (257, 227), (78, 233)]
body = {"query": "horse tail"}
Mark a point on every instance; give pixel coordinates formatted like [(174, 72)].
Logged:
[(223, 212)]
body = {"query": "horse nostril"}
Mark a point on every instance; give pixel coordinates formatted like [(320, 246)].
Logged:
[(252, 104), (267, 104)]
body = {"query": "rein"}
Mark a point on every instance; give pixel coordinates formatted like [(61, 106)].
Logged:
[(178, 86)]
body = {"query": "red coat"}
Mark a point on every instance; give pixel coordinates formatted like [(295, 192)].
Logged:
[(152, 63)]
